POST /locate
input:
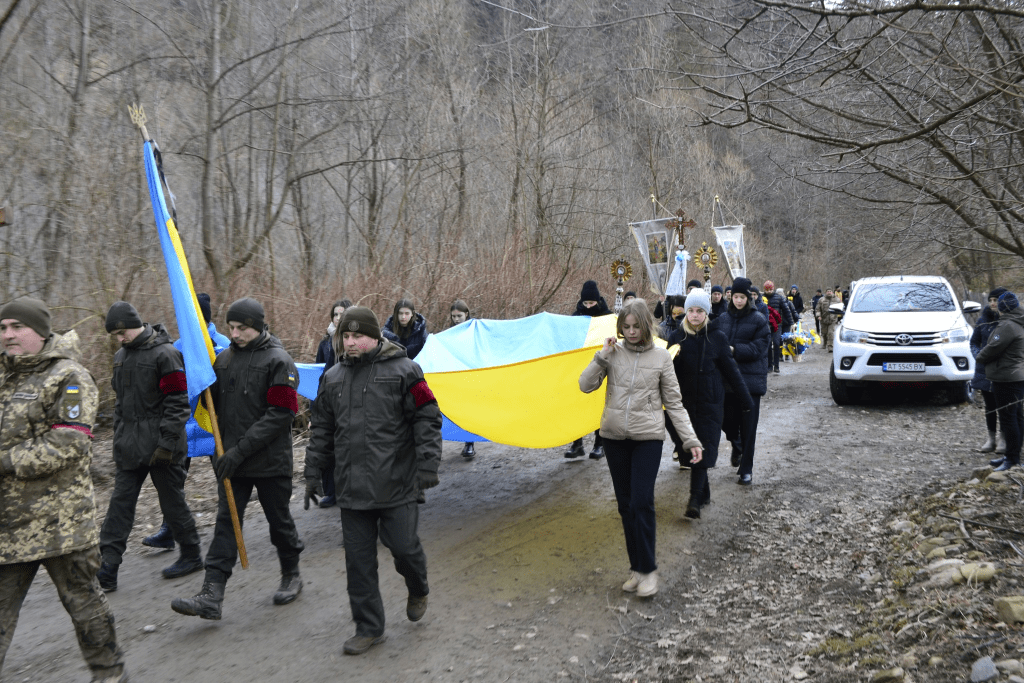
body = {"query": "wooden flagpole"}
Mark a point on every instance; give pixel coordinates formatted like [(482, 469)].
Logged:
[(243, 558)]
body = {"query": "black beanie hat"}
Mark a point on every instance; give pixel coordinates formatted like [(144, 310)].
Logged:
[(1008, 302), (249, 312), (717, 288), (741, 285), (628, 294), (590, 291), (360, 319), (694, 283), (122, 316), (29, 311), (204, 306), (997, 292)]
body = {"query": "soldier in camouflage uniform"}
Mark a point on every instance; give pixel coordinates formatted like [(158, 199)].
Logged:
[(149, 440), (47, 511), (827, 318)]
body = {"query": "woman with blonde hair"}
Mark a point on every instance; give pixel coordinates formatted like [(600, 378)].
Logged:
[(641, 380)]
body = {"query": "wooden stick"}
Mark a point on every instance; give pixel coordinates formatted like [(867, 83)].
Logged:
[(977, 523), (243, 558)]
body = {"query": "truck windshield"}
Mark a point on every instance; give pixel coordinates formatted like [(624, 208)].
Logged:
[(887, 297)]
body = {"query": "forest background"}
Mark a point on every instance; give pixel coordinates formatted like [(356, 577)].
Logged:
[(496, 151)]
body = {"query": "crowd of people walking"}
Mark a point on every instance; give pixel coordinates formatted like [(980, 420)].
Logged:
[(375, 437)]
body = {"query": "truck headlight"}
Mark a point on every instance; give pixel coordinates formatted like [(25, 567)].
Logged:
[(955, 336), (849, 336)]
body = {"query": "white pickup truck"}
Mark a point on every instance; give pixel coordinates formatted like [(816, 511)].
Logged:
[(902, 329)]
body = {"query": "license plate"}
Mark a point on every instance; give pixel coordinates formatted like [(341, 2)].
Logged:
[(902, 367)]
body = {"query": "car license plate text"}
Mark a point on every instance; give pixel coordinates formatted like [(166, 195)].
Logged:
[(902, 367)]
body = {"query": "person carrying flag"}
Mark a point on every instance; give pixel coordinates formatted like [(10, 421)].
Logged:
[(150, 410), (255, 401), (47, 512)]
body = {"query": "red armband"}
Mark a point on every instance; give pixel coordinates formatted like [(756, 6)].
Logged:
[(421, 393), (283, 396), (77, 426), (173, 382)]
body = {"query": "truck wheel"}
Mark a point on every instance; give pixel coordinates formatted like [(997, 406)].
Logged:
[(842, 393), (959, 392)]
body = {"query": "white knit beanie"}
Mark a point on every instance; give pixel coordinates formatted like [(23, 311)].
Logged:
[(698, 298)]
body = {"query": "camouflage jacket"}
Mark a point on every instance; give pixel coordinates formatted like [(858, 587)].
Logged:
[(47, 408), (152, 401)]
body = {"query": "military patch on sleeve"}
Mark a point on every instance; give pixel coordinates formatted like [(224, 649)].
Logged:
[(291, 377), (72, 404)]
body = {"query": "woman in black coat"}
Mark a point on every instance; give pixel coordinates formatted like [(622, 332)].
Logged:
[(746, 331), (591, 304), (987, 322), (703, 362), (406, 327)]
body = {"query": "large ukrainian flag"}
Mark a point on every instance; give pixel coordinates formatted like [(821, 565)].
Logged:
[(516, 382), (196, 346)]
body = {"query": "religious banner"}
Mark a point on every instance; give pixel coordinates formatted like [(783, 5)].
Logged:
[(730, 238), (655, 241)]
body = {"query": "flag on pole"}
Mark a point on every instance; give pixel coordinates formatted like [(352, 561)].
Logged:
[(196, 347)]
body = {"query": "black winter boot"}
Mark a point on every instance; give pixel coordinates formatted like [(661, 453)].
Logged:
[(468, 451), (108, 577), (205, 604), (188, 562), (163, 538), (291, 586), (576, 449)]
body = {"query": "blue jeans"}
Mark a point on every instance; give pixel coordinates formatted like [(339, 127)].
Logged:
[(634, 468)]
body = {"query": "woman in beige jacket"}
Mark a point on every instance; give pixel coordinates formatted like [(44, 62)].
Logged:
[(641, 380)]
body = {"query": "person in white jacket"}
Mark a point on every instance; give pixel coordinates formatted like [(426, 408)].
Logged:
[(641, 380)]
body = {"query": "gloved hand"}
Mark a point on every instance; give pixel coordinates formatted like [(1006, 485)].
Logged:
[(426, 479), (161, 456), (313, 492), (227, 464)]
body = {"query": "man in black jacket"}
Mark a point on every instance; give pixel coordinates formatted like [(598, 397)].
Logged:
[(150, 412), (377, 419), (785, 310), (256, 402)]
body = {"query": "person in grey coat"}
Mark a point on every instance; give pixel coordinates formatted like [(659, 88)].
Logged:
[(1003, 357), (377, 418), (150, 411)]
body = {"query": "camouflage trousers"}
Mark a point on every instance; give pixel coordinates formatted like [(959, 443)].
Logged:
[(828, 328), (74, 576)]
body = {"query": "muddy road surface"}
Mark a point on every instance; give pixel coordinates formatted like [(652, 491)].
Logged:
[(526, 559)]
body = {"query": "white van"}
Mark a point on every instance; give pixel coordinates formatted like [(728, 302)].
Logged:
[(902, 329)]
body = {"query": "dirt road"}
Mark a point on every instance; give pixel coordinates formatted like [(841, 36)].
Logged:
[(526, 558)]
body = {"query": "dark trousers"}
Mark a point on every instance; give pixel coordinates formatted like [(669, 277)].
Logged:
[(634, 468), (185, 465), (274, 494), (1009, 396), (327, 478), (741, 429), (991, 408), (74, 576), (169, 481), (597, 440), (398, 532), (775, 352)]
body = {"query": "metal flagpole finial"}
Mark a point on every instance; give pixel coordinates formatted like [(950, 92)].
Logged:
[(138, 115)]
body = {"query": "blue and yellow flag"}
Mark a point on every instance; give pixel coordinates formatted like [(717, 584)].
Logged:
[(196, 347)]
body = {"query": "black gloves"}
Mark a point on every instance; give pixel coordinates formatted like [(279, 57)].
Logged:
[(227, 464), (161, 456), (426, 479), (313, 487)]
